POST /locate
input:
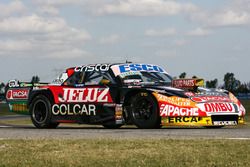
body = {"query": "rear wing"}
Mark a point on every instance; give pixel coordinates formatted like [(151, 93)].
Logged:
[(17, 95), (16, 83)]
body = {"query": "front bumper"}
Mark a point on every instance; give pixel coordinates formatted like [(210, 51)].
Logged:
[(214, 120)]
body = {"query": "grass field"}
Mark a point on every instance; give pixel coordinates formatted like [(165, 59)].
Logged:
[(124, 152)]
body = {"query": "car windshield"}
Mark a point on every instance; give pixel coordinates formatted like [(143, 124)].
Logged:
[(146, 78), (141, 74)]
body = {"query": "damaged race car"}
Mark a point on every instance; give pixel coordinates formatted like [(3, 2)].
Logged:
[(113, 95)]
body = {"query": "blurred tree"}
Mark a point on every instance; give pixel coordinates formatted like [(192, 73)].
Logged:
[(35, 79), (231, 83), (2, 88), (248, 86), (243, 88), (182, 75), (212, 83)]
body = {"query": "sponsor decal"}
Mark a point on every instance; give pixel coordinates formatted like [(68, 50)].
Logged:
[(19, 108), (189, 94), (79, 85), (140, 67), (78, 95), (57, 81), (132, 81), (60, 79), (211, 98), (190, 121), (125, 68), (94, 67), (187, 83), (130, 73), (209, 93), (174, 100), (13, 83), (217, 107), (171, 110), (119, 114), (225, 123), (183, 83), (75, 109), (17, 94), (183, 119)]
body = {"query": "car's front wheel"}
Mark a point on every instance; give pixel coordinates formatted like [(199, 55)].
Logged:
[(144, 111), (40, 111)]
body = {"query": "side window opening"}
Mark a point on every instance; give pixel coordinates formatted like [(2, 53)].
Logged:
[(93, 78), (96, 78), (76, 78)]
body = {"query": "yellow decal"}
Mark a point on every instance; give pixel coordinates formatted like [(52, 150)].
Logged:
[(19, 107), (233, 98), (195, 121), (190, 121), (178, 101)]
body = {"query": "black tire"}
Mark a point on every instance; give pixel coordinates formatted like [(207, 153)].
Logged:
[(40, 111), (144, 111), (111, 126)]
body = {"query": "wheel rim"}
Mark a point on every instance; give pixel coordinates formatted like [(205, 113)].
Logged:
[(39, 111), (143, 109)]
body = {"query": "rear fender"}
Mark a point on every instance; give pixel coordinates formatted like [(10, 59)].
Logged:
[(45, 92)]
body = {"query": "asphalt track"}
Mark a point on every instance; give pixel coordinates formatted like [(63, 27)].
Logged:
[(8, 131)]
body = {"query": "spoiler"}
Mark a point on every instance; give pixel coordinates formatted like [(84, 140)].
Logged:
[(17, 95), (189, 84), (16, 83)]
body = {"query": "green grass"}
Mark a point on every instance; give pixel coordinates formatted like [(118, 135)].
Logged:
[(124, 152)]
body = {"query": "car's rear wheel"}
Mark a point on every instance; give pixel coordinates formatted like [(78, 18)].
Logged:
[(40, 111), (144, 111)]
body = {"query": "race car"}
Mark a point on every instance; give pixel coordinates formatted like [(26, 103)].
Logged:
[(113, 95)]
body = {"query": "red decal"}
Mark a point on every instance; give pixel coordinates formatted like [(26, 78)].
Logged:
[(171, 110), (180, 83), (190, 94), (17, 94), (218, 107), (211, 98), (76, 95)]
